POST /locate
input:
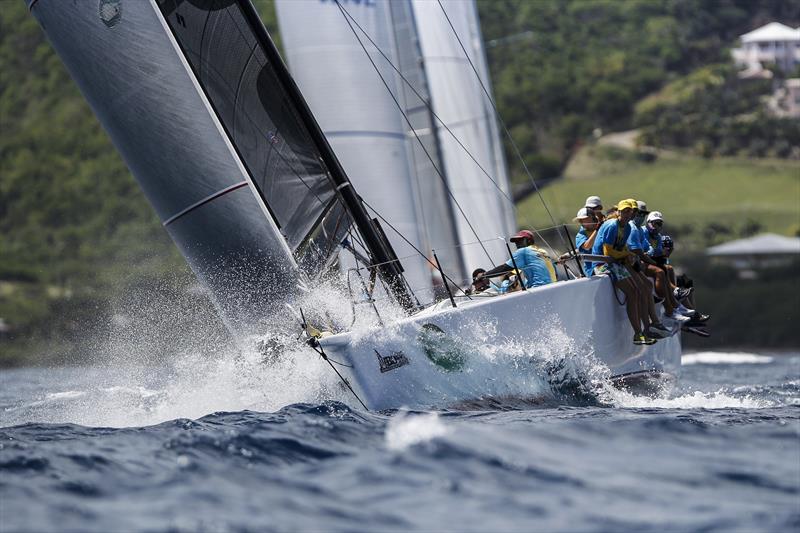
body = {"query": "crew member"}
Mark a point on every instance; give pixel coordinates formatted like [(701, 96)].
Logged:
[(594, 203), (611, 241), (648, 268), (584, 240), (533, 262)]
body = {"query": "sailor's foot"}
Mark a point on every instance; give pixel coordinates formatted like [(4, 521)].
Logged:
[(680, 293), (678, 317), (700, 317), (658, 331), (700, 331), (640, 339), (686, 312), (696, 321)]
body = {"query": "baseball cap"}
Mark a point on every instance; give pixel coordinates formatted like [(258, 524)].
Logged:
[(641, 206), (523, 234), (629, 203), (585, 212), (655, 215), (593, 201)]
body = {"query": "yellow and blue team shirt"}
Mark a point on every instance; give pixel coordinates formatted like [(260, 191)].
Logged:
[(535, 264), (615, 236)]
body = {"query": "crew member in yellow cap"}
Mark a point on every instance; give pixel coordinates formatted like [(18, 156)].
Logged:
[(611, 241)]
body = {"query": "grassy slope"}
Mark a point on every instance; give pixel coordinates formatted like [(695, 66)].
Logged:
[(688, 190)]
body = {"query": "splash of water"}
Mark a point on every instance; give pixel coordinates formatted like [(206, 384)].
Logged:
[(405, 430), (720, 399)]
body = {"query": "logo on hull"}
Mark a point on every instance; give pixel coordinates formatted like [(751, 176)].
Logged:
[(391, 362), (447, 353), (110, 12)]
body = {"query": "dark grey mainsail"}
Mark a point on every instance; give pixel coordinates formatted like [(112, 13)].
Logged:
[(255, 109), (196, 99)]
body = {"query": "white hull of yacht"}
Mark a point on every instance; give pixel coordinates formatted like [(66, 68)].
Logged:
[(492, 348)]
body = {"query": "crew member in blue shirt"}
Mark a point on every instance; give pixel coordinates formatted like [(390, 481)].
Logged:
[(612, 241), (584, 240), (645, 269), (532, 261)]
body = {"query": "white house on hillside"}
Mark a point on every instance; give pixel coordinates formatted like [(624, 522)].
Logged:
[(773, 43)]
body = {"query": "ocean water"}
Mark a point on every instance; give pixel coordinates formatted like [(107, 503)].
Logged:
[(222, 445)]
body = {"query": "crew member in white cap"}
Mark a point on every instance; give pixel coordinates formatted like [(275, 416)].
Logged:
[(584, 240), (595, 204), (655, 252), (639, 245)]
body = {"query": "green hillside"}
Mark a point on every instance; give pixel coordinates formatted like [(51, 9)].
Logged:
[(562, 69)]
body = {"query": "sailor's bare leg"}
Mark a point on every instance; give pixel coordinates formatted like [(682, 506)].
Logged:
[(662, 287), (631, 303), (649, 305), (670, 276)]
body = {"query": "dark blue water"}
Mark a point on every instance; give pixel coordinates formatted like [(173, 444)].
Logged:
[(722, 453)]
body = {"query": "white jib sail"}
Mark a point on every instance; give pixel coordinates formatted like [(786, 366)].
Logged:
[(459, 101)]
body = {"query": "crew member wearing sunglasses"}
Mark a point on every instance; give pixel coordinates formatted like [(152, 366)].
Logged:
[(638, 243)]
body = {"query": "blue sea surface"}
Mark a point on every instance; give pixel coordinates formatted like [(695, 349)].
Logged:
[(223, 448)]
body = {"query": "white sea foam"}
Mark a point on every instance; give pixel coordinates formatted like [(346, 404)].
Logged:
[(724, 358), (720, 399), (406, 430), (149, 373)]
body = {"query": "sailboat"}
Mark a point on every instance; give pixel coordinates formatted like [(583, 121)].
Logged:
[(198, 101)]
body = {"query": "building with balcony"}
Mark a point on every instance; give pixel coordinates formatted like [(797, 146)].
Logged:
[(774, 43)]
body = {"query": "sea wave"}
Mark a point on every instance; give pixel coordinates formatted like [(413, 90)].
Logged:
[(724, 358)]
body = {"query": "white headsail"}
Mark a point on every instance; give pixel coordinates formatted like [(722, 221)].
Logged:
[(460, 102)]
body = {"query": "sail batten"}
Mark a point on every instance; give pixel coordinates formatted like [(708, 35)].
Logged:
[(209, 198)]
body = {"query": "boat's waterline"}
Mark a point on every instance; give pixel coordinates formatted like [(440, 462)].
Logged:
[(568, 334)]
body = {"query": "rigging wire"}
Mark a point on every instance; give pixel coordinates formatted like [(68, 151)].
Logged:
[(411, 126), (448, 278), (428, 105), (500, 119)]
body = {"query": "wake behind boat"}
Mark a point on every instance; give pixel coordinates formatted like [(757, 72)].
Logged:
[(197, 99)]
